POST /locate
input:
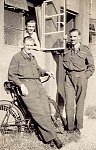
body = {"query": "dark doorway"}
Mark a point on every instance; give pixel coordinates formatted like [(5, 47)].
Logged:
[(70, 21)]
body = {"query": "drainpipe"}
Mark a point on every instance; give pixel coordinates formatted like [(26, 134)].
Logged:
[(1, 23)]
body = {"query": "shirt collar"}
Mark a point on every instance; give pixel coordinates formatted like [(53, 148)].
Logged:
[(25, 55), (27, 34), (78, 48)]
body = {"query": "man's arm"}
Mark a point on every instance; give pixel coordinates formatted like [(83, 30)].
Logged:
[(13, 71), (13, 75), (90, 65)]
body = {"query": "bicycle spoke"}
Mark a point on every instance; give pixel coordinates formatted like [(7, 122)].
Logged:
[(11, 118)]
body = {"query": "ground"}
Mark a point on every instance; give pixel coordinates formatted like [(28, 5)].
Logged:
[(28, 141), (87, 140)]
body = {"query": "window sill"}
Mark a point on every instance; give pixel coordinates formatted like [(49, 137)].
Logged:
[(13, 46)]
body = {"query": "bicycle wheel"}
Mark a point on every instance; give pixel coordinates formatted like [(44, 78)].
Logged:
[(11, 118)]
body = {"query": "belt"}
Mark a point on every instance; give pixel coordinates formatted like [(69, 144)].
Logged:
[(75, 73), (28, 79)]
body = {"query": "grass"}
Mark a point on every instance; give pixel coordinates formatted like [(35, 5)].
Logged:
[(29, 141)]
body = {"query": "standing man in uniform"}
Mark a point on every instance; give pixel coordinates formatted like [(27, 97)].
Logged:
[(25, 72), (79, 65)]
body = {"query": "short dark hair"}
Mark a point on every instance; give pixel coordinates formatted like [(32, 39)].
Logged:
[(28, 38), (73, 30), (31, 21)]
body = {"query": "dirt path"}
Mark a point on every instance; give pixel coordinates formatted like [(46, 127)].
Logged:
[(88, 137)]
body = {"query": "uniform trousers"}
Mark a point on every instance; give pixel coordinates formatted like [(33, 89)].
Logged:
[(75, 92), (38, 104)]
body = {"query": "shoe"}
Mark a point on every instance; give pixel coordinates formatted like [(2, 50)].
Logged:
[(71, 131), (77, 131), (52, 144), (58, 143)]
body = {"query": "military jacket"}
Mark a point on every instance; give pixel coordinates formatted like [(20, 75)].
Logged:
[(79, 61), (23, 67)]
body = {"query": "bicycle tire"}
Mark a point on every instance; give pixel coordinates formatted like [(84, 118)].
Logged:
[(15, 118)]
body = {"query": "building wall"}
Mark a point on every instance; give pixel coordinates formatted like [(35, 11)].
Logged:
[(82, 22), (91, 92), (93, 9), (6, 53), (73, 5)]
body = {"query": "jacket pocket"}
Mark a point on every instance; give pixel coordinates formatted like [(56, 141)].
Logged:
[(23, 68)]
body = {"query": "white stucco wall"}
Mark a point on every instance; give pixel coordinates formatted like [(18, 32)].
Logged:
[(73, 5), (91, 90)]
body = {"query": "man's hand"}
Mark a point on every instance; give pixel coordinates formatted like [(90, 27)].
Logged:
[(50, 74), (24, 90)]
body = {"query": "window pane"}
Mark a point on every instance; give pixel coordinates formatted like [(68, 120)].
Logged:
[(53, 7), (13, 28), (13, 36), (13, 19), (54, 23), (55, 40), (50, 9), (53, 30), (22, 4), (92, 31)]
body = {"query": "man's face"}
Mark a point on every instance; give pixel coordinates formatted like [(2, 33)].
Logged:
[(28, 46), (30, 27), (74, 37)]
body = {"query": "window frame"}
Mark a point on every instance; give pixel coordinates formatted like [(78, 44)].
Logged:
[(92, 31)]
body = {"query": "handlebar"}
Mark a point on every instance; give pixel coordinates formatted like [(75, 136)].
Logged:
[(49, 76)]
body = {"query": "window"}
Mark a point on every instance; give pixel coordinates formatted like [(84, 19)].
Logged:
[(53, 25), (13, 27), (92, 31)]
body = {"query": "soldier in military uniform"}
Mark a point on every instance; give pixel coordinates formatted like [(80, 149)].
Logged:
[(79, 66), (25, 72)]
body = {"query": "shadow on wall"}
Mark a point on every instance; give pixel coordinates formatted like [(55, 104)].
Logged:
[(7, 53), (3, 77), (60, 75)]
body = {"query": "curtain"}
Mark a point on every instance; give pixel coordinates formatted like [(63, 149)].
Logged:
[(38, 11)]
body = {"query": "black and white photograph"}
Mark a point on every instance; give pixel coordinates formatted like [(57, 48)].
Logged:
[(47, 74)]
